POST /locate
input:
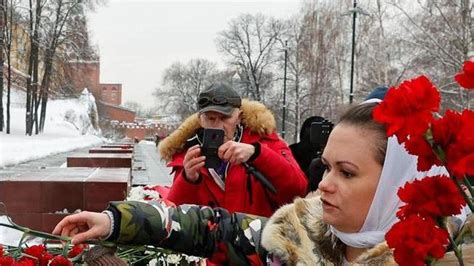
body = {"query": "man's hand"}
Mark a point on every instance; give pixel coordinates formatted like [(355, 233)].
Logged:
[(84, 226), (235, 152), (193, 162)]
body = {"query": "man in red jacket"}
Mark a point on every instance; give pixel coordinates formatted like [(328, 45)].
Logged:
[(250, 139)]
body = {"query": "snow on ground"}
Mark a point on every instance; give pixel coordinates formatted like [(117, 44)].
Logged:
[(68, 127), (12, 237)]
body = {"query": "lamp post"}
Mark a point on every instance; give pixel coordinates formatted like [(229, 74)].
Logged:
[(284, 93), (354, 16), (354, 12), (2, 25)]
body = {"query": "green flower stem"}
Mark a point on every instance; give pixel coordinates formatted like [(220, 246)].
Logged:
[(431, 262), (466, 198), (11, 251), (437, 150), (464, 230), (468, 185), (442, 222), (22, 239), (28, 231), (64, 250), (131, 250), (155, 252), (156, 249), (143, 258), (134, 249), (130, 253), (457, 251)]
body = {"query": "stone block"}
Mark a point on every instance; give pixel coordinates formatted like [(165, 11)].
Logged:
[(28, 219), (110, 150), (122, 146), (100, 160), (60, 195), (21, 196), (50, 220), (33, 198), (104, 185)]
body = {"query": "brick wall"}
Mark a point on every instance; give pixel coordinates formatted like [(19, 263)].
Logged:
[(149, 133), (84, 75), (111, 93), (113, 112)]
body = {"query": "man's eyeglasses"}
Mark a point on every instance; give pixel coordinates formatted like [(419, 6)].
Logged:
[(205, 101)]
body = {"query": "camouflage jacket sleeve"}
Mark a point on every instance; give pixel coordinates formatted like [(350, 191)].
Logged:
[(189, 229)]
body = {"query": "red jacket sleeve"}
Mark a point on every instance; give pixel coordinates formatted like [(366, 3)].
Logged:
[(182, 191), (278, 165)]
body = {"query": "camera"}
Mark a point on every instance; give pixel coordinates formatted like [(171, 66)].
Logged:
[(211, 141), (319, 133)]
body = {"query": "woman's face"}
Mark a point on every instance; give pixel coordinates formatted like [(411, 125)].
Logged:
[(351, 177)]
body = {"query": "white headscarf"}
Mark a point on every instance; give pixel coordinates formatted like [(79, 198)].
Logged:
[(399, 167)]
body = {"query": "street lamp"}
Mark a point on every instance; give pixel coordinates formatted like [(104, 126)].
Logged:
[(284, 93), (354, 12)]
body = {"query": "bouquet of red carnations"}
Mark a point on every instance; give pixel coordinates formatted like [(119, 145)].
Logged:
[(410, 112), (38, 255)]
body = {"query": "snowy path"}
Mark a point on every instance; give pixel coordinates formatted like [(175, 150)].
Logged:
[(148, 168)]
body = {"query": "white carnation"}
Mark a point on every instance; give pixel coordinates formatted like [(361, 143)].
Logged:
[(173, 258), (136, 193)]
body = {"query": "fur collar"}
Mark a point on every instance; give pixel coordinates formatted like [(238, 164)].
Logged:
[(297, 235), (255, 116)]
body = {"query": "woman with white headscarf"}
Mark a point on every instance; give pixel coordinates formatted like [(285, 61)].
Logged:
[(344, 223)]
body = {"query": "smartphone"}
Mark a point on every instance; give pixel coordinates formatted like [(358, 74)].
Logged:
[(319, 132), (212, 139)]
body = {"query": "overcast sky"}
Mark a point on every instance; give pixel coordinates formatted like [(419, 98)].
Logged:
[(137, 39)]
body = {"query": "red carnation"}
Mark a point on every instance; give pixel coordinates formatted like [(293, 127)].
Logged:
[(417, 145), (414, 239), (39, 252), (60, 261), (453, 133), (25, 262), (430, 197), (35, 251), (75, 251), (6, 261), (465, 78), (407, 110)]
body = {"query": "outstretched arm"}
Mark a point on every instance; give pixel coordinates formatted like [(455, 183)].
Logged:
[(188, 229), (84, 226)]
